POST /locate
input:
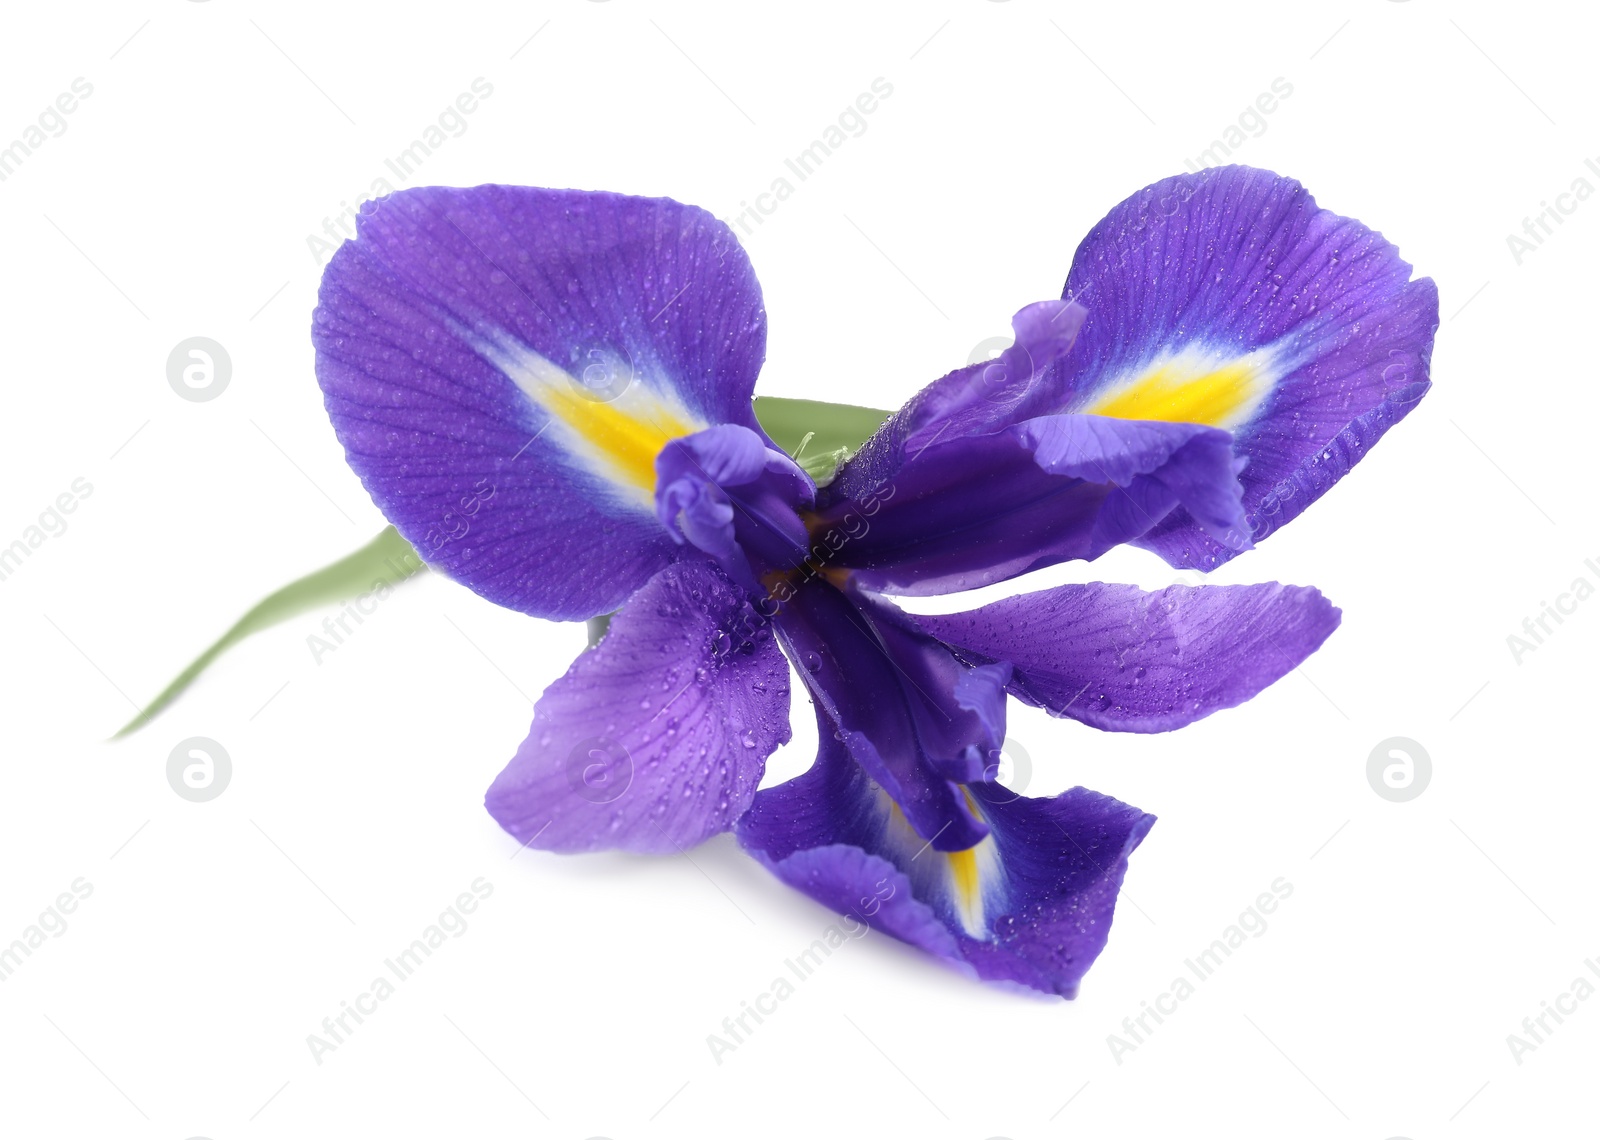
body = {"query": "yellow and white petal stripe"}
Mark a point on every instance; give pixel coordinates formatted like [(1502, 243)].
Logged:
[(611, 422), (1217, 387), (970, 883)]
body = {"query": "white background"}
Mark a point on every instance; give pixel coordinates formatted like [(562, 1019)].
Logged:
[(219, 935)]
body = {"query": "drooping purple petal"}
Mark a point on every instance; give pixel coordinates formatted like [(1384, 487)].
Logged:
[(1030, 904), (657, 737), (1064, 860), (983, 509), (908, 711), (503, 364), (865, 887), (1124, 660), (1228, 297)]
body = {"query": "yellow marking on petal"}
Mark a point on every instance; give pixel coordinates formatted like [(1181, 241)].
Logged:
[(964, 877), (964, 874), (617, 437), (630, 443), (1189, 388)]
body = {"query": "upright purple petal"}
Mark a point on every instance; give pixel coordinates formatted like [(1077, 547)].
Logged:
[(973, 400), (503, 364), (1121, 659), (1230, 298), (657, 737)]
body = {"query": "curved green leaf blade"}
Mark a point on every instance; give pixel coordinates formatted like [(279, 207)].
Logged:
[(386, 560)]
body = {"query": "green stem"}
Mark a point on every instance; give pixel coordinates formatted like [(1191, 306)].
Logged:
[(820, 436)]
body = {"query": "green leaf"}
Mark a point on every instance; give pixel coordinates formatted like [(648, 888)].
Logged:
[(819, 436), (386, 560)]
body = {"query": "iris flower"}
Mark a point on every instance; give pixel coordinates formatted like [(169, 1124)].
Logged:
[(548, 392)]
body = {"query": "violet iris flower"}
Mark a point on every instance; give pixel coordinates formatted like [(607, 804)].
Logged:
[(549, 394)]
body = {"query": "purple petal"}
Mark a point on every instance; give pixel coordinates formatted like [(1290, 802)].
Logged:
[(657, 737), (866, 888), (983, 691), (974, 400), (1229, 297), (502, 365), (1031, 904), (984, 509), (1123, 660), (728, 493), (892, 692), (1160, 468), (1064, 860)]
